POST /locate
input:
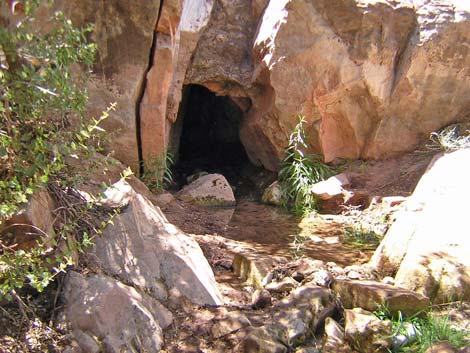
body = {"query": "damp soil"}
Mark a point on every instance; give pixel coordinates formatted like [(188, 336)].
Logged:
[(273, 231)]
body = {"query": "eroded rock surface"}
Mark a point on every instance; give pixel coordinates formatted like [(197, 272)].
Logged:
[(358, 71), (427, 247), (366, 332), (143, 249), (208, 190), (370, 295), (122, 317)]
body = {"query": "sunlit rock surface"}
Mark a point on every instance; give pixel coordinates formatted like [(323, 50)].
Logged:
[(427, 247), (143, 249)]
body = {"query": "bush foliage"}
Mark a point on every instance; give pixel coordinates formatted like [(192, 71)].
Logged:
[(299, 171), (42, 101)]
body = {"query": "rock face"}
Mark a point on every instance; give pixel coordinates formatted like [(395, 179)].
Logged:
[(143, 249), (208, 190), (118, 314), (372, 77), (427, 247), (358, 71), (124, 33), (366, 74)]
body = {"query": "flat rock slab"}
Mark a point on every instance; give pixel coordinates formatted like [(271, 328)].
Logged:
[(369, 295)]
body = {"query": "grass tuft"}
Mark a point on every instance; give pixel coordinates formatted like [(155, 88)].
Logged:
[(418, 332)]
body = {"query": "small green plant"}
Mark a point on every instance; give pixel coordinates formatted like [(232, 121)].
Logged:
[(158, 174), (299, 171), (362, 237), (449, 139), (418, 332)]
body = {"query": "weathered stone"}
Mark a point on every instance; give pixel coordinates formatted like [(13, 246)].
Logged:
[(358, 75), (118, 314), (335, 340), (231, 322), (334, 333), (366, 332), (254, 271), (306, 265), (163, 199), (208, 190), (285, 285), (143, 249), (427, 245), (370, 295), (330, 188), (261, 299), (178, 31), (301, 312), (260, 340), (363, 272), (273, 194), (86, 342), (33, 223), (321, 278), (123, 32), (441, 347)]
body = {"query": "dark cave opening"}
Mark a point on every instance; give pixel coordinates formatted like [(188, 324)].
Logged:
[(209, 138)]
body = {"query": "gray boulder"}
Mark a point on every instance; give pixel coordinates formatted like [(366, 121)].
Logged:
[(123, 318), (142, 248)]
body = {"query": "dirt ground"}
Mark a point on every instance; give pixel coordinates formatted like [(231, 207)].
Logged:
[(190, 330)]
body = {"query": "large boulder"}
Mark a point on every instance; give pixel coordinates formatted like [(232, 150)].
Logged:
[(208, 190), (142, 248), (365, 74), (427, 247), (123, 318)]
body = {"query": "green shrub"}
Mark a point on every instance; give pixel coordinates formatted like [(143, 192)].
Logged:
[(158, 174), (43, 123), (299, 171)]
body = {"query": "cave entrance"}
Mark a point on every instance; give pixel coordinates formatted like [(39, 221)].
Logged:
[(209, 138)]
